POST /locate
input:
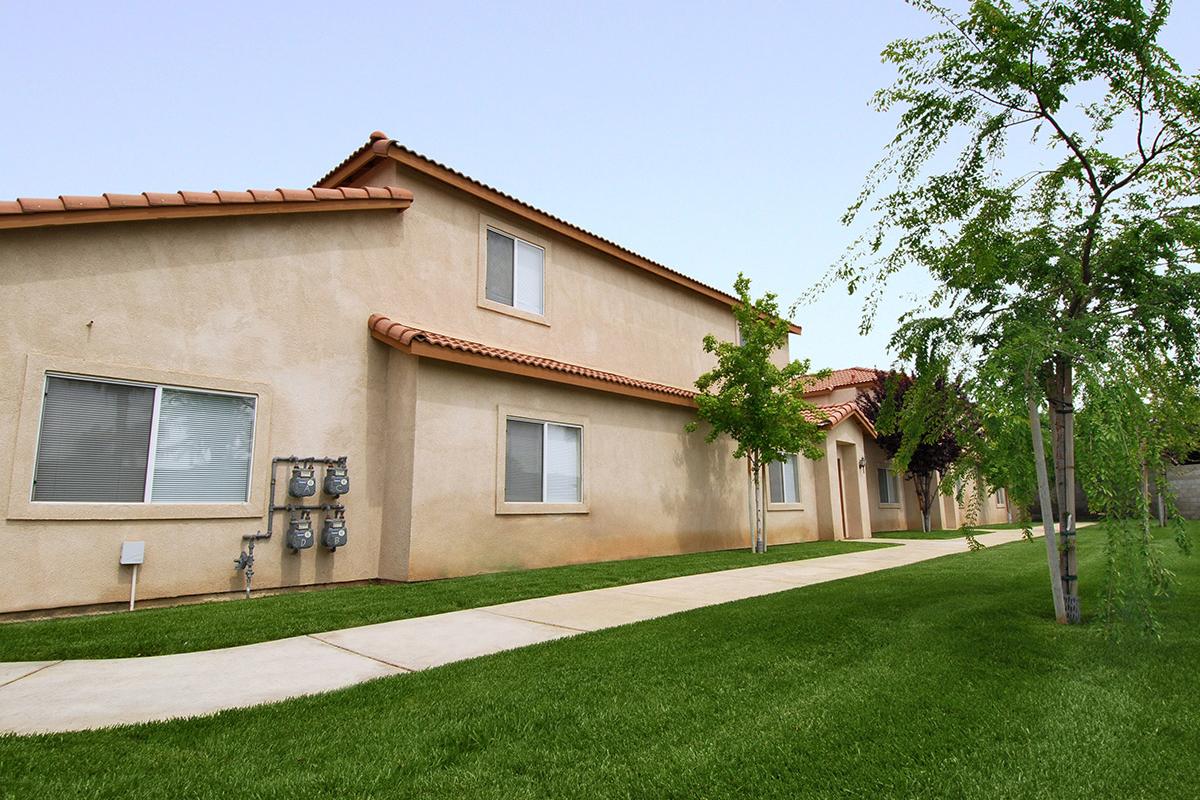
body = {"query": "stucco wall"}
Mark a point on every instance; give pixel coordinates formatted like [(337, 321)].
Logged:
[(282, 302), (652, 488)]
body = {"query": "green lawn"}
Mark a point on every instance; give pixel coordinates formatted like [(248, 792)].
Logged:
[(949, 534), (945, 679), (953, 533), (224, 624)]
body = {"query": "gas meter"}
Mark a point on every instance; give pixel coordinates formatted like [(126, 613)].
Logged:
[(337, 480), (300, 532), (333, 534), (302, 484)]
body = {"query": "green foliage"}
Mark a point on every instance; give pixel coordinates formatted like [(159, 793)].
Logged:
[(1053, 270), (749, 398)]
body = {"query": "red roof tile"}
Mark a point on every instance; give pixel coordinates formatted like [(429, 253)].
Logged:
[(397, 333), (842, 378), (26, 212), (832, 415), (381, 146), (403, 336)]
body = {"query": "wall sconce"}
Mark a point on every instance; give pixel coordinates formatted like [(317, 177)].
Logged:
[(862, 464)]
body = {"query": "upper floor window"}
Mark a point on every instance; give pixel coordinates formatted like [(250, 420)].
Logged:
[(784, 479), (515, 272), (103, 441), (1001, 498), (889, 487)]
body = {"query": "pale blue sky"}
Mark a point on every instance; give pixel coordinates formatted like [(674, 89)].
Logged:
[(713, 137)]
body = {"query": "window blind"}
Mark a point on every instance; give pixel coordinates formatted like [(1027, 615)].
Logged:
[(203, 449), (499, 286), (775, 480), (523, 462), (94, 442), (888, 490), (562, 464)]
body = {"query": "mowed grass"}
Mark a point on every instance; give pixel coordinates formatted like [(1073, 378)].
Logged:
[(945, 679), (947, 534), (956, 533), (205, 626)]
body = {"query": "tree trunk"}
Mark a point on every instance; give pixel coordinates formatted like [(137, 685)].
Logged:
[(1043, 481), (1062, 406), (924, 501), (763, 495), (750, 502), (759, 538)]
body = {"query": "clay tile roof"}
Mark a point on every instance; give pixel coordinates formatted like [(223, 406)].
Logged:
[(404, 337), (841, 378), (835, 414), (380, 146), (27, 212)]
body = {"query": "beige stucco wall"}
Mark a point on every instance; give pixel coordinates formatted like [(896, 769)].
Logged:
[(652, 488), (602, 313), (281, 303)]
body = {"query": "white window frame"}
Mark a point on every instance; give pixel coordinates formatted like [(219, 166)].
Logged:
[(153, 442), (772, 504), (893, 485), (1001, 498), (504, 414), (518, 234)]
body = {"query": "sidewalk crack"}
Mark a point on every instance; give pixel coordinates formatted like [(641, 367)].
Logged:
[(35, 672), (383, 661)]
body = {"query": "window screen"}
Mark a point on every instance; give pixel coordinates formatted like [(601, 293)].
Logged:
[(515, 272), (202, 452), (523, 462), (499, 268), (94, 442)]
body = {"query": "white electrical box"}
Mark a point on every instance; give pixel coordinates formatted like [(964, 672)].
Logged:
[(133, 552)]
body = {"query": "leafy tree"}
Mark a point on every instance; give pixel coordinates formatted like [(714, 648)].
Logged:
[(760, 405), (1051, 269), (916, 425)]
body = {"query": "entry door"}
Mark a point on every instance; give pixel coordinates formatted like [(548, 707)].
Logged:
[(842, 497)]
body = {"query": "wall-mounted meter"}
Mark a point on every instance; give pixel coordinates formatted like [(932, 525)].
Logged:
[(333, 534), (337, 480), (300, 533), (302, 483)]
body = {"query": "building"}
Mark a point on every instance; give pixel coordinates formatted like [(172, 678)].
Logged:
[(507, 390)]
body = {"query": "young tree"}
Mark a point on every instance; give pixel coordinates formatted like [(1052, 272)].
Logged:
[(1049, 268), (916, 425), (758, 404)]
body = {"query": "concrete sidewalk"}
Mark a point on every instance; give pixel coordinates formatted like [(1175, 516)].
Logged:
[(76, 695)]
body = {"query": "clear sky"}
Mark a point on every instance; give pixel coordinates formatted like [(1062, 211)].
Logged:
[(713, 137)]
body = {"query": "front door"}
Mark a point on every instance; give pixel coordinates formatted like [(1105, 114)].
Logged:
[(841, 496)]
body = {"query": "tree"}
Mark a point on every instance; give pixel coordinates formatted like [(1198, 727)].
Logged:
[(1049, 269), (916, 425), (758, 404)]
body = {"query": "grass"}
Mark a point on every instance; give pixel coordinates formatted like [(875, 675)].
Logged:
[(205, 626), (947, 534), (945, 679)]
